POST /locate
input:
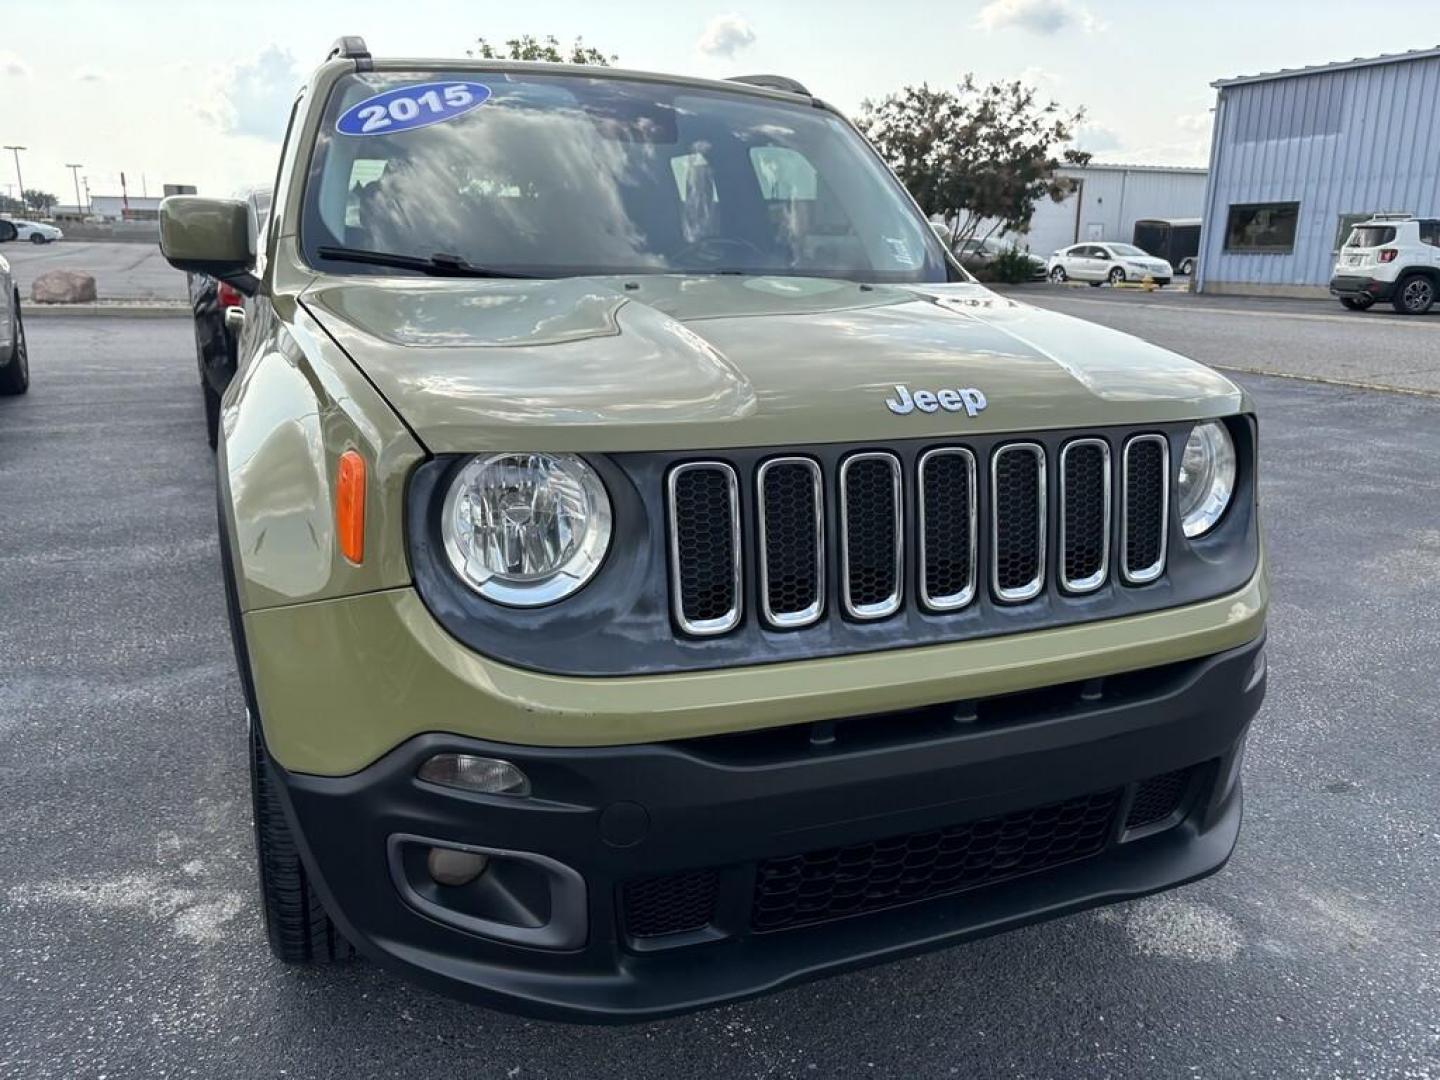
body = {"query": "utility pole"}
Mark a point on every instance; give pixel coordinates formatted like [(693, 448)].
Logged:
[(16, 151), (87, 194), (75, 176)]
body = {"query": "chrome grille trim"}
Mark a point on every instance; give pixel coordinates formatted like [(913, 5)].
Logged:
[(731, 619), (891, 603), (1097, 579), (790, 620), (954, 601), (1031, 589), (1147, 574)]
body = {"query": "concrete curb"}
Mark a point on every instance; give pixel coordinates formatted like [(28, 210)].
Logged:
[(137, 310)]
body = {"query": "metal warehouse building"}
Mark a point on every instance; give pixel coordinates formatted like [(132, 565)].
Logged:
[(1107, 200), (1299, 156)]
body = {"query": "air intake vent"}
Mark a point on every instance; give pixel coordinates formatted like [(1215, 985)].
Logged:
[(792, 569), (947, 528), (705, 547), (673, 904), (1146, 507), (1084, 514), (870, 534), (1018, 521)]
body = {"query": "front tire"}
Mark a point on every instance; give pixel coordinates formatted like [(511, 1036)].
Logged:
[(1187, 267), (1058, 275), (15, 375), (296, 925), (36, 238), (1116, 276), (1414, 295)]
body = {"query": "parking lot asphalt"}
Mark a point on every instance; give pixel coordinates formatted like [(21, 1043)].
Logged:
[(1315, 339), (122, 271), (131, 942)]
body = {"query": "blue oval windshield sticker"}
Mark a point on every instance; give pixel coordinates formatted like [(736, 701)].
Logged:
[(411, 107)]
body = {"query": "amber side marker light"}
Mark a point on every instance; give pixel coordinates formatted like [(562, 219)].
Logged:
[(350, 506)]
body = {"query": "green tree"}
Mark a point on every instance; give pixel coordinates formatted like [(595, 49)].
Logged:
[(980, 156), (548, 48), (39, 201), (11, 205)]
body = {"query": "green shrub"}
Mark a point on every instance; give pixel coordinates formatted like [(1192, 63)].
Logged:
[(1012, 267)]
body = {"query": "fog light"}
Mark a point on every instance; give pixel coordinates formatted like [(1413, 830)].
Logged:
[(490, 776), (451, 867)]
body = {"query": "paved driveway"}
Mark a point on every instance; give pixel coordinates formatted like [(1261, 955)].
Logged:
[(131, 945)]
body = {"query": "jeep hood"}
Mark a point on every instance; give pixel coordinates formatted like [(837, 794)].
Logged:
[(690, 362)]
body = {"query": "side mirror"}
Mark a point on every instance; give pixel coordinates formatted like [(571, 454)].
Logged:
[(8, 231), (208, 236)]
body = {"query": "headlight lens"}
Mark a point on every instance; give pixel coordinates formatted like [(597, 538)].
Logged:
[(1207, 477), (526, 529)]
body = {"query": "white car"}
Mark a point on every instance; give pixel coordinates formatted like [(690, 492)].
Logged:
[(1098, 263), (1390, 257), (37, 232), (14, 363)]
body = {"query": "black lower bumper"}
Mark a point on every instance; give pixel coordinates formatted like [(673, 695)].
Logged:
[(641, 881), (1353, 285)]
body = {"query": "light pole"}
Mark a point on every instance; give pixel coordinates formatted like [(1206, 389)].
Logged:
[(75, 176), (16, 151)]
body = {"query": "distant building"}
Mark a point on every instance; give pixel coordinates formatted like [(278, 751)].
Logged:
[(1299, 156), (113, 207), (1107, 200)]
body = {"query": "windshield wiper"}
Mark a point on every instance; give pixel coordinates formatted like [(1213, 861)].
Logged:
[(441, 264)]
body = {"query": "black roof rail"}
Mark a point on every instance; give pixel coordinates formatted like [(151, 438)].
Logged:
[(352, 47), (773, 82)]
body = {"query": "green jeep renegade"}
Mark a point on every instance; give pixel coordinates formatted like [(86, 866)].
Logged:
[(659, 574)]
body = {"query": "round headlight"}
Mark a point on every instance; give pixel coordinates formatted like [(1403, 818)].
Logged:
[(1207, 477), (526, 529)]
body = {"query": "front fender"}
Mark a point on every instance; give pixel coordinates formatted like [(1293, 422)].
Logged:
[(298, 404)]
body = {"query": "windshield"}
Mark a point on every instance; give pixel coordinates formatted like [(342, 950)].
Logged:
[(557, 175), (1125, 249)]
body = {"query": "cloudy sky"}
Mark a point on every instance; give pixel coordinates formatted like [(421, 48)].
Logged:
[(197, 92)]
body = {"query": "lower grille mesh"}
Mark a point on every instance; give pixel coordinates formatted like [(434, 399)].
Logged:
[(1157, 798), (819, 886), (671, 904)]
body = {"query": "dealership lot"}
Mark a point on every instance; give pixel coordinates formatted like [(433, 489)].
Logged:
[(130, 941), (122, 271)]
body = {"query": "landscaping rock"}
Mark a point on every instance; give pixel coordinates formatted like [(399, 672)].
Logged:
[(63, 287)]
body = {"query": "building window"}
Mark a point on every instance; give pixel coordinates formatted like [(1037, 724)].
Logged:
[(1264, 227)]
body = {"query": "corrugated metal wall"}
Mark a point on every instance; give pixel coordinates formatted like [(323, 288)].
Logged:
[(1351, 141), (1110, 201)]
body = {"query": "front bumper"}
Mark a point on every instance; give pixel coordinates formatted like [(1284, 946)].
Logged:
[(1351, 285), (712, 818)]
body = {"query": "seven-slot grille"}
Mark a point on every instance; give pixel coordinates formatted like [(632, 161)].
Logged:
[(868, 500)]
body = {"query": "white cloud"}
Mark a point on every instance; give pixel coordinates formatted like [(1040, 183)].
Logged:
[(1200, 123), (90, 75), (1097, 139), (254, 98), (12, 65), (726, 35), (1043, 17), (1040, 78)]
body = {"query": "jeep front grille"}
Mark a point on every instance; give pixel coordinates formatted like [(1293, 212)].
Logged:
[(1084, 514), (813, 524), (705, 547), (1017, 528), (871, 533), (1146, 507), (792, 541)]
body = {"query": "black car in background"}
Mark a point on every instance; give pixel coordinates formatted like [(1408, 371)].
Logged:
[(215, 343)]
